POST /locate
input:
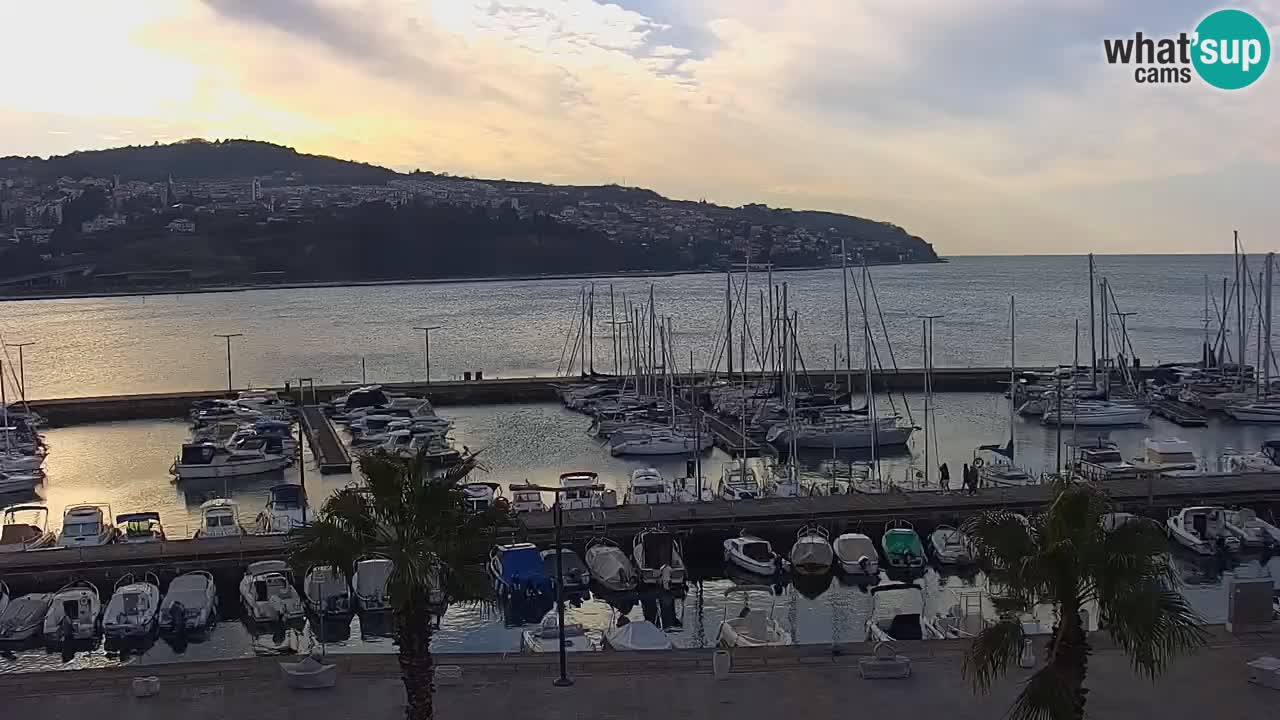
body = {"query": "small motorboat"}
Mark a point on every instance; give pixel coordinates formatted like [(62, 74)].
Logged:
[(648, 487), (219, 517), (517, 571), (19, 482), (658, 560), (286, 510), (610, 566), (190, 605), (575, 575), (1202, 530), (581, 491), (327, 593), (738, 481), (897, 613), (1251, 530), (951, 546), (210, 460), (751, 627), (857, 555), (546, 638), (369, 578), (525, 499), (133, 611), (73, 614), (86, 526), (812, 553), (627, 635), (267, 593), (479, 497), (138, 528), (22, 619), (902, 547), (25, 534), (752, 554)]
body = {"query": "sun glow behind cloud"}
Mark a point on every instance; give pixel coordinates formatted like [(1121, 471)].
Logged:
[(983, 125)]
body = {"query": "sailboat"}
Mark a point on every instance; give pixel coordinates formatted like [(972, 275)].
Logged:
[(994, 463)]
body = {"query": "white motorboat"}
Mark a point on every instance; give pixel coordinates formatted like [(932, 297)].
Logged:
[(546, 638), (327, 592), (897, 613), (738, 482), (479, 497), (1171, 456), (1262, 411), (1102, 462), (267, 593), (73, 614), (581, 491), (190, 605), (207, 460), (20, 463), (86, 526), (1251, 530), (1202, 529), (138, 528), (286, 510), (848, 432), (658, 559), (370, 578), (610, 566), (133, 611), (525, 499), (18, 482), (1098, 413), (751, 627), (951, 546), (25, 534), (752, 554), (812, 553), (267, 439), (627, 635), (659, 441), (574, 574), (22, 619), (1264, 460), (219, 517), (648, 487), (857, 555)]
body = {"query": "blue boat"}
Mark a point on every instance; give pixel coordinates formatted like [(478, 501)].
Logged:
[(517, 572)]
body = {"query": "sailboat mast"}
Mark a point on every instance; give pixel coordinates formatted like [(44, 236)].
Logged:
[(848, 347), (613, 332), (773, 359), (1013, 376), (653, 359), (1204, 351), (1104, 321), (924, 351), (1073, 404), (870, 390), (728, 319), (1266, 313), (4, 409), (1093, 348), (591, 330), (1239, 311)]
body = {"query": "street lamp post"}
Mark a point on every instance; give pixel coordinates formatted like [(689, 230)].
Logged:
[(22, 370), (228, 337), (563, 680), (426, 342)]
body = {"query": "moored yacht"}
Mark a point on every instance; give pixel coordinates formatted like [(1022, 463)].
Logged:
[(86, 525), (738, 482), (658, 441), (286, 510), (267, 593), (841, 431), (1102, 462), (581, 491), (219, 517), (525, 499), (21, 531), (139, 527), (648, 487), (208, 460), (1171, 456), (1202, 529), (1098, 413)]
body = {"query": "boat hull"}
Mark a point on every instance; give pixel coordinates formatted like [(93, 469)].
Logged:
[(254, 467)]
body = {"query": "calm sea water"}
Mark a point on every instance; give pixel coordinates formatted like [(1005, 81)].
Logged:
[(166, 343), (126, 465)]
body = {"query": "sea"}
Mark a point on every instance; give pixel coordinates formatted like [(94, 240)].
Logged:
[(165, 343)]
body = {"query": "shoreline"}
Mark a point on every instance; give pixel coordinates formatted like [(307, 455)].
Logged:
[(210, 289)]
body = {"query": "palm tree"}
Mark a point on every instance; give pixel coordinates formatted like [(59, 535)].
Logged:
[(1065, 558), (419, 522)]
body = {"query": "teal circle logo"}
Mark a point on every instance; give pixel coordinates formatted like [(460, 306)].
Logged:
[(1231, 49)]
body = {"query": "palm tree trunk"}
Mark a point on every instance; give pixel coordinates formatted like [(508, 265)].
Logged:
[(1070, 652), (416, 664)]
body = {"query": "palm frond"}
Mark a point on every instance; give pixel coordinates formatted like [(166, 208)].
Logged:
[(1152, 624), (326, 542), (992, 652), (1047, 695)]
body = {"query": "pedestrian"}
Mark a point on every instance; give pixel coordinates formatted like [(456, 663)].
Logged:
[(944, 476), (965, 477)]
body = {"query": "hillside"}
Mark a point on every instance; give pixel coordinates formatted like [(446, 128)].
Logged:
[(202, 159)]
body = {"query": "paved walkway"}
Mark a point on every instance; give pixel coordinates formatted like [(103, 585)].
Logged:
[(790, 683)]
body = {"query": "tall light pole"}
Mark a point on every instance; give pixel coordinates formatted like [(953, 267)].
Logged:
[(563, 680), (228, 337), (426, 342), (22, 371)]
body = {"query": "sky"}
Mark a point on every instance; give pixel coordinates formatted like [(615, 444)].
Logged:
[(984, 126)]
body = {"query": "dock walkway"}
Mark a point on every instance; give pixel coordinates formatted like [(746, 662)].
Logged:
[(331, 455), (1180, 413)]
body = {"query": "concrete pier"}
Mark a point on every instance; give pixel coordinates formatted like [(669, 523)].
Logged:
[(817, 681), (72, 411), (331, 455)]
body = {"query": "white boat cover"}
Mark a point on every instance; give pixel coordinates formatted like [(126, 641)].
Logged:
[(852, 547), (372, 576), (637, 635), (811, 550), (610, 567)]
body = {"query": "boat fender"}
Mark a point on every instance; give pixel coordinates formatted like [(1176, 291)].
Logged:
[(978, 462)]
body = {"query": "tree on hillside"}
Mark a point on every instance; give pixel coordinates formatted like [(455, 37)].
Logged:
[(417, 520), (1065, 558)]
